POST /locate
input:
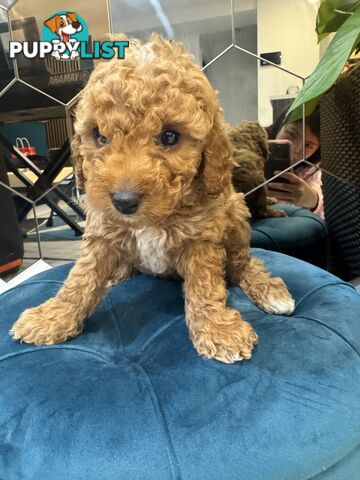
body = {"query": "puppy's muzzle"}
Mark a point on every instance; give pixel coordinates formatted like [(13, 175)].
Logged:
[(126, 201)]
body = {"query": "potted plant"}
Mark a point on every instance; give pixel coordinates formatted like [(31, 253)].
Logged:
[(339, 98), (342, 17)]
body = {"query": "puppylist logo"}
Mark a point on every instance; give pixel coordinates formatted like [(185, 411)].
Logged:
[(65, 36)]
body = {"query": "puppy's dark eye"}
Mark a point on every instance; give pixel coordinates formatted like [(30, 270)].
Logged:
[(169, 138), (100, 140)]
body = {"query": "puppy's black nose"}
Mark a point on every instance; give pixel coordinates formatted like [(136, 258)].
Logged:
[(126, 201)]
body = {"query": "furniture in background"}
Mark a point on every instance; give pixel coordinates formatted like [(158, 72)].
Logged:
[(280, 103), (301, 234), (40, 188), (41, 90), (130, 398), (340, 156), (11, 241)]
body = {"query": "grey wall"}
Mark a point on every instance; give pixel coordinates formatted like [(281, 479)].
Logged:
[(235, 74)]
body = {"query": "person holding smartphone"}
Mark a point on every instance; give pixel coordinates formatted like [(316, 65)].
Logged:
[(301, 186)]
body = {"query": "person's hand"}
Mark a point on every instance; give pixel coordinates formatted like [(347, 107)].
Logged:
[(297, 191)]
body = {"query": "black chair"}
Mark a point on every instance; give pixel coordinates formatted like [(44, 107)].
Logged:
[(11, 241), (40, 189), (340, 157)]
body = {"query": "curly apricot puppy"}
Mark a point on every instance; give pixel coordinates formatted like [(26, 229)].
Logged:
[(250, 152), (152, 152)]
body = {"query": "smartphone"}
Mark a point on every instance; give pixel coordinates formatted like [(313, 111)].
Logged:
[(279, 159)]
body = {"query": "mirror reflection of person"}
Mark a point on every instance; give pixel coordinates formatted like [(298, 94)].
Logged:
[(304, 182)]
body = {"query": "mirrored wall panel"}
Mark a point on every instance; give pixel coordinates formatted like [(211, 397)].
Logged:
[(7, 72), (7, 4), (205, 26), (62, 79)]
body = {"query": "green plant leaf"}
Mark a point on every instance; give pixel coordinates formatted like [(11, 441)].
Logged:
[(329, 68), (332, 14)]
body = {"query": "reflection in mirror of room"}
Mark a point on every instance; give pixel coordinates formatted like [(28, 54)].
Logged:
[(204, 27), (234, 75), (286, 26)]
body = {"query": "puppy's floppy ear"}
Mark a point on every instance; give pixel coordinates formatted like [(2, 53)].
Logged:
[(217, 158), (72, 16), (77, 160), (52, 23)]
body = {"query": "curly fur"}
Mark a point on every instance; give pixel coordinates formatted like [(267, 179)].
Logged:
[(251, 150), (191, 222)]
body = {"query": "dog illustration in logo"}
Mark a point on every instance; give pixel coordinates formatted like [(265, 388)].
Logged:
[(64, 26)]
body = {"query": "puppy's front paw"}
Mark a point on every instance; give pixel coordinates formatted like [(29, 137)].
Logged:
[(52, 322), (56, 54), (229, 339)]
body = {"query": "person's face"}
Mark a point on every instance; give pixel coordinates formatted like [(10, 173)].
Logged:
[(293, 133)]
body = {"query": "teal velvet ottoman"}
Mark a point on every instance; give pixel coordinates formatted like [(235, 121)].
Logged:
[(301, 234), (130, 399)]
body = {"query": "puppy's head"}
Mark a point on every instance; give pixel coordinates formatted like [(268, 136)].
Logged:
[(145, 127), (61, 22), (250, 135)]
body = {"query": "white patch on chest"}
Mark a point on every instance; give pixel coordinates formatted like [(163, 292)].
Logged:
[(151, 244)]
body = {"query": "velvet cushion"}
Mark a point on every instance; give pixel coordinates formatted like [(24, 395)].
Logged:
[(130, 399), (301, 234)]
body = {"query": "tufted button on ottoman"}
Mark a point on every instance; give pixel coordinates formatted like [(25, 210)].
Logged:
[(301, 234), (130, 399)]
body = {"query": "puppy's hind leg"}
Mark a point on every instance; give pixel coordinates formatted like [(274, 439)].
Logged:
[(268, 293)]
